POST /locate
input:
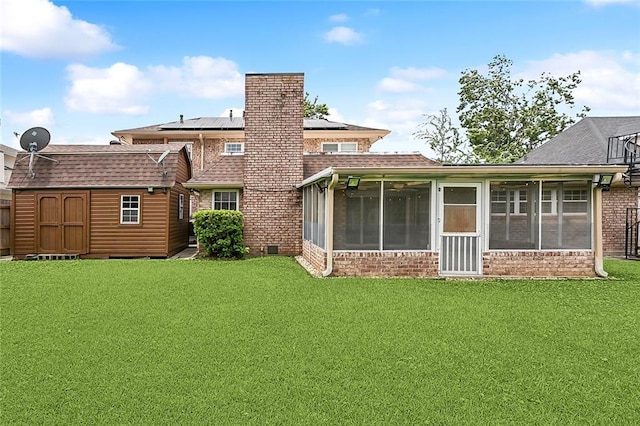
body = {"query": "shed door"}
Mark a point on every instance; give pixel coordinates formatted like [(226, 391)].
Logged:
[(62, 222), (460, 228)]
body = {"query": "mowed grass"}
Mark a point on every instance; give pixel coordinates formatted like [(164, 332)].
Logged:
[(260, 342)]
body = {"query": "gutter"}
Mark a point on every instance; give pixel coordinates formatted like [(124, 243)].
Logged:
[(329, 225), (597, 249)]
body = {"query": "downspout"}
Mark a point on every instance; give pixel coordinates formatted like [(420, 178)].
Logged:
[(597, 230), (329, 225), (201, 151)]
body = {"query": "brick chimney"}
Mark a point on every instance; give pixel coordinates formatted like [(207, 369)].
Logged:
[(273, 151)]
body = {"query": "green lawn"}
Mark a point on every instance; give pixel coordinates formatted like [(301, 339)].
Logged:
[(260, 342)]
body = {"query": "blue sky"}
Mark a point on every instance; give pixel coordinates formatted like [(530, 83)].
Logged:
[(85, 68)]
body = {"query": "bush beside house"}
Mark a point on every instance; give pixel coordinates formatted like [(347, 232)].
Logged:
[(220, 232)]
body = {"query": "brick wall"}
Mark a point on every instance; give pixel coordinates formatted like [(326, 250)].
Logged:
[(316, 256), (272, 205), (539, 263), (385, 263), (614, 208)]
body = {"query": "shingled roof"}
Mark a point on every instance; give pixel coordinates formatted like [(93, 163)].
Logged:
[(585, 142), (229, 169), (98, 166)]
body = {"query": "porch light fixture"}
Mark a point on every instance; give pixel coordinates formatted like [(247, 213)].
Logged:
[(150, 190), (353, 182), (604, 181)]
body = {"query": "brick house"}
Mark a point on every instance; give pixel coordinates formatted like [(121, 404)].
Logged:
[(594, 141), (312, 188)]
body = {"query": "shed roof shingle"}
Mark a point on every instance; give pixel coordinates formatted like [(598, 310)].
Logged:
[(97, 166)]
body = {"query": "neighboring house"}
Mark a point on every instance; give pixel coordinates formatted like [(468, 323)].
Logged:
[(588, 143), (353, 212), (7, 161), (101, 201)]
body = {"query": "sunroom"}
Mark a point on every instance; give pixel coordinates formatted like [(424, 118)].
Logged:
[(472, 220)]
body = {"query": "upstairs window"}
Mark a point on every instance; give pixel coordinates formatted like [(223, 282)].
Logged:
[(339, 147), (130, 209), (233, 147)]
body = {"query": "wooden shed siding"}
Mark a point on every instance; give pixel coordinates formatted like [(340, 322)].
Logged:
[(23, 228), (110, 238), (178, 238), (183, 173)]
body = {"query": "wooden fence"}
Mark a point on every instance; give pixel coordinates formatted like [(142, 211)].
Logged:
[(5, 230)]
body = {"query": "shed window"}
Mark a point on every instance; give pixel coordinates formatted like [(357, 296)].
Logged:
[(181, 207), (225, 200), (130, 209)]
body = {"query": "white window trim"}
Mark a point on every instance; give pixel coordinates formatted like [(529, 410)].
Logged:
[(227, 152), (340, 146), (122, 209), (213, 197)]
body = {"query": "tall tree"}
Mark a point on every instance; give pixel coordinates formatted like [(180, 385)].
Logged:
[(314, 109), (444, 139), (504, 118)]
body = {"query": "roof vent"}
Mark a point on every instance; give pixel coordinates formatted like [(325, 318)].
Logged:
[(230, 114), (181, 118), (115, 142)]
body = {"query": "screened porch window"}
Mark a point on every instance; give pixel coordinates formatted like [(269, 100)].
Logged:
[(560, 221), (314, 215), (383, 216), (515, 228), (568, 224)]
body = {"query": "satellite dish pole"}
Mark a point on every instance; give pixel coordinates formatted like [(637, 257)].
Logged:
[(160, 159), (32, 141)]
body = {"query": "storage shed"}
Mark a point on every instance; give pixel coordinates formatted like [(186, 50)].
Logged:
[(101, 201)]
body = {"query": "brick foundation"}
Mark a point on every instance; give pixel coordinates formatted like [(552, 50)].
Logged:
[(539, 263), (385, 263), (316, 256)]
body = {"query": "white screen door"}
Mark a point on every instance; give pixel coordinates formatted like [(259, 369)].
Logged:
[(459, 219)]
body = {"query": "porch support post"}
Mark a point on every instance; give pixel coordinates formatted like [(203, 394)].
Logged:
[(597, 233), (328, 229)]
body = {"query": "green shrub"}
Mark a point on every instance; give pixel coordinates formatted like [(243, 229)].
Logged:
[(220, 232)]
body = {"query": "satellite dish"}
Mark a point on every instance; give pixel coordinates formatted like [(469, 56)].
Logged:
[(35, 139), (163, 156)]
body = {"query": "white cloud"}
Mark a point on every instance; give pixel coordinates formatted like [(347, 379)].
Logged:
[(117, 89), (335, 115), (402, 117), (200, 77), (39, 117), (610, 80), (396, 85), (407, 80), (344, 35), (40, 29), (340, 17), (125, 89)]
